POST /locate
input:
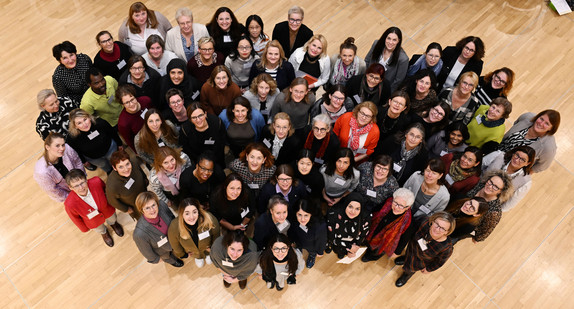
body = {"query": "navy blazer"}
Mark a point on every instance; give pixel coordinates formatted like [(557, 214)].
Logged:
[(268, 190)]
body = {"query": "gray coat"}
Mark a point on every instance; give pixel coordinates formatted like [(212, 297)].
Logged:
[(395, 74), (437, 203), (147, 236)]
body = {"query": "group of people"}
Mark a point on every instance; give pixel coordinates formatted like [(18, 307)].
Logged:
[(395, 154)]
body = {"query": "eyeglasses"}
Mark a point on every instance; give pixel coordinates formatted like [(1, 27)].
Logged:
[(295, 21), (381, 168), (81, 184), (106, 41), (176, 102), (433, 56), (414, 136), (282, 250), (206, 170), (198, 116), (280, 128), (521, 159), (206, 49), (401, 104), (321, 130), (137, 69), (492, 185), (440, 228), (284, 180), (399, 205), (374, 77), (244, 47), (131, 101), (465, 84), (336, 98), (148, 208), (497, 79), (468, 49), (361, 114)]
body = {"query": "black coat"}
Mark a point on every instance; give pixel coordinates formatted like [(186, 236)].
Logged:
[(287, 153), (281, 34), (449, 56)]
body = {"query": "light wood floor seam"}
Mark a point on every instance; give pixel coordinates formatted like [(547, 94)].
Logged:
[(559, 100), (335, 15), (117, 283), (564, 167), (374, 286), (35, 156), (16, 288), (469, 278), (428, 23), (378, 11)]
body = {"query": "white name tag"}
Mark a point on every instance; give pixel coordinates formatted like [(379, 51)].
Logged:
[(397, 168), (203, 235), (283, 225), (93, 135), (92, 214), (424, 209), (227, 39), (304, 228), (371, 193), (121, 64), (283, 273), (195, 95), (449, 179), (473, 233), (129, 183), (320, 161), (253, 186), (209, 142), (162, 242), (308, 188), (347, 239), (442, 153), (244, 212), (422, 244), (340, 181), (161, 144), (357, 98), (267, 143), (143, 113), (479, 119), (111, 99), (361, 150), (226, 263)]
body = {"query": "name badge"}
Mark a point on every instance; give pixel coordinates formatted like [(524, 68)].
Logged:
[(227, 39), (203, 235), (195, 95), (253, 186), (340, 181), (162, 242), (425, 209), (111, 99), (121, 64), (479, 119), (397, 168), (449, 179), (304, 228), (473, 233), (357, 98), (422, 243), (283, 273), (320, 161), (226, 263), (143, 113), (283, 225), (244, 212), (92, 214), (93, 135), (308, 188), (361, 150), (267, 143), (371, 193), (444, 152), (129, 183), (209, 142), (161, 144), (247, 65), (347, 239)]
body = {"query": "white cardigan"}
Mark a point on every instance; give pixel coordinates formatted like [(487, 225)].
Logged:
[(324, 63), (173, 39)]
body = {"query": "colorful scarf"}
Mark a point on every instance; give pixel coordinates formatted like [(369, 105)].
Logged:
[(324, 144), (356, 132), (166, 182), (457, 173), (387, 239), (342, 74)]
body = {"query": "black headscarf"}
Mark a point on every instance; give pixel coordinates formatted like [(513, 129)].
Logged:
[(188, 85)]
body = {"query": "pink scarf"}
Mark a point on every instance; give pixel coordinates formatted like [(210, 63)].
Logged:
[(356, 132), (166, 182)]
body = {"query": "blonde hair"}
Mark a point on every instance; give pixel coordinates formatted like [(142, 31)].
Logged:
[(204, 40), (296, 10), (470, 75), (320, 38), (78, 113), (43, 95), (263, 63), (282, 116), (369, 105), (143, 198)]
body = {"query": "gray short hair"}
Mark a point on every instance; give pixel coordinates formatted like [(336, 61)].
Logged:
[(323, 118), (183, 12), (296, 10), (406, 195)]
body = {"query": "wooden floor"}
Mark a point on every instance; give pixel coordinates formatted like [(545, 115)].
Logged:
[(46, 262)]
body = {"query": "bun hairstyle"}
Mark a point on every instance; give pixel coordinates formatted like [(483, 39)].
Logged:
[(349, 43)]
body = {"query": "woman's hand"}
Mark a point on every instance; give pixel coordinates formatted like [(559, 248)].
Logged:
[(239, 227), (229, 278), (353, 251), (130, 210), (334, 201)]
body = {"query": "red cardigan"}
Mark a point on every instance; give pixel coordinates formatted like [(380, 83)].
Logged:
[(78, 210), (342, 129), (462, 186)]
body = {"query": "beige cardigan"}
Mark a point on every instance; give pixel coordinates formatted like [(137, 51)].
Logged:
[(173, 39)]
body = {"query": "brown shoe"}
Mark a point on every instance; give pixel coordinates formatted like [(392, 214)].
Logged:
[(108, 239), (118, 229), (226, 284), (242, 284)]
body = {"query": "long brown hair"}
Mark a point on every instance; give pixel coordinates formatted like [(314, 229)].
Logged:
[(454, 209), (266, 259), (204, 222), (147, 141), (139, 7), (296, 82), (48, 141), (164, 152), (269, 159), (263, 63)]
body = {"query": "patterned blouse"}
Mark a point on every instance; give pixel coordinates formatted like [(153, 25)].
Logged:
[(490, 219), (375, 195), (254, 181), (72, 82), (56, 122)]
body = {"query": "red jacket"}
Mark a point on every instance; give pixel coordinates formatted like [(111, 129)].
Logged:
[(342, 129), (78, 210)]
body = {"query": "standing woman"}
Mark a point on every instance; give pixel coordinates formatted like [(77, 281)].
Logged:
[(150, 233), (487, 127), (393, 116), (203, 63), (280, 262), (240, 60), (93, 138), (145, 79), (203, 132), (69, 78), (463, 169), (225, 30), (517, 163), (420, 90), (54, 115), (465, 56), (296, 102), (346, 64), (467, 212), (280, 139), (407, 149), (193, 233), (272, 221), (165, 175), (431, 195), (113, 56), (155, 133), (236, 257), (371, 86), (332, 103), (313, 61), (233, 204), (131, 119), (497, 83), (377, 182), (309, 174), (340, 176), (182, 39), (218, 93), (430, 60), (347, 226), (449, 140), (292, 34), (262, 94), (274, 63), (178, 78), (460, 99), (254, 25), (243, 124), (310, 230), (388, 52), (358, 130), (320, 140), (255, 166), (51, 169), (140, 24)]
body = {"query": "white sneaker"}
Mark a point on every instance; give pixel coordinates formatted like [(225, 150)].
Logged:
[(208, 260), (199, 262)]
